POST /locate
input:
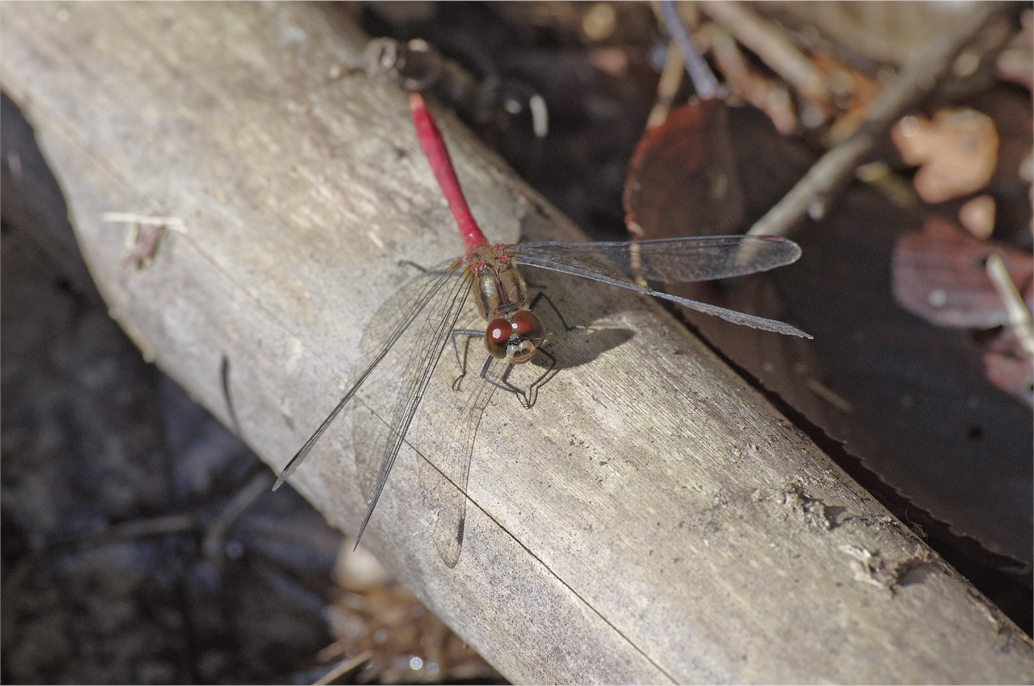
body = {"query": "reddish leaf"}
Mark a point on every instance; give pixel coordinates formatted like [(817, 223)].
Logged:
[(683, 179), (939, 275)]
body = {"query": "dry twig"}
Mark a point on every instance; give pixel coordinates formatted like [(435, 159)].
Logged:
[(772, 47)]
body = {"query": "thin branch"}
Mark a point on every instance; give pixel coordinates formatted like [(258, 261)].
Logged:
[(771, 46), (1019, 315), (138, 528), (344, 667), (667, 86), (704, 82), (174, 223)]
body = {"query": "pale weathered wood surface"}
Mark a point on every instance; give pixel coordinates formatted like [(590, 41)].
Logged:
[(650, 519)]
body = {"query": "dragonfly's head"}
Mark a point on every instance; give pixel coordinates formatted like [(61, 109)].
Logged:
[(515, 339)]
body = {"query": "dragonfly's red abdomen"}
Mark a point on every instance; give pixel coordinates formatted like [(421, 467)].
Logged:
[(441, 164)]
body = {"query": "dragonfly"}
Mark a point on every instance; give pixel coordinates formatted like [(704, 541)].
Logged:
[(514, 334)]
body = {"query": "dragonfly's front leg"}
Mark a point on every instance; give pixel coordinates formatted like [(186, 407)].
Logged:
[(462, 363), (504, 382)]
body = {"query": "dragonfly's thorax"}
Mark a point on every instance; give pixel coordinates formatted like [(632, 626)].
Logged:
[(498, 287), (513, 332)]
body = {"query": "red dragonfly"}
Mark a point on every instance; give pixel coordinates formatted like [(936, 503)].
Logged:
[(514, 333)]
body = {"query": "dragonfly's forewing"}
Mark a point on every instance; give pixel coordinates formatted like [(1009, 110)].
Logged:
[(400, 384), (674, 260), (671, 260), (380, 337)]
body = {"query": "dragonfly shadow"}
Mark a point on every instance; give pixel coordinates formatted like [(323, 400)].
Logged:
[(583, 346), (573, 345)]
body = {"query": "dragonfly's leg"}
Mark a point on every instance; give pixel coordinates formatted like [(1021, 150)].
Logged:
[(504, 383), (422, 269), (462, 363), (408, 263), (533, 389), (542, 296)]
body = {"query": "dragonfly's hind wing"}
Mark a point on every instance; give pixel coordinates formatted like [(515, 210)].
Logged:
[(445, 473), (674, 260)]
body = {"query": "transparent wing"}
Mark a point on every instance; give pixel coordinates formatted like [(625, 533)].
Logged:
[(382, 335), (376, 449), (444, 475), (672, 260)]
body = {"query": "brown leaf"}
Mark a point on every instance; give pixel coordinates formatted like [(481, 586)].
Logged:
[(958, 152)]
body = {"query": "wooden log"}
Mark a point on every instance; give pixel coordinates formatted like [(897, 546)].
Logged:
[(650, 519)]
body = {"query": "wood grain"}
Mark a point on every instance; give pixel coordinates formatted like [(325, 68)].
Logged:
[(650, 519)]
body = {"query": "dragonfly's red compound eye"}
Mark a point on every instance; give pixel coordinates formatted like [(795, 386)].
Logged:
[(527, 325), (499, 330), (496, 336)]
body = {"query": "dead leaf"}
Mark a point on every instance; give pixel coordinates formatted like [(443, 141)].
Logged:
[(938, 274), (958, 152)]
